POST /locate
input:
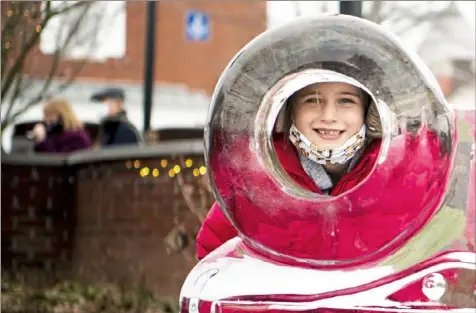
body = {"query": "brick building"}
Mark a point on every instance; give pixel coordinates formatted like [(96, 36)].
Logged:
[(178, 61), (185, 71)]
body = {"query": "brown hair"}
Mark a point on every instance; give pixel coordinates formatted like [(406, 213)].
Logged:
[(69, 120)]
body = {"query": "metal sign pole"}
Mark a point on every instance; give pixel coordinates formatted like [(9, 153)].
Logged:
[(351, 8), (149, 63)]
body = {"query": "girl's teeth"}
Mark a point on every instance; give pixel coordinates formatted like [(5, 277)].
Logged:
[(329, 132)]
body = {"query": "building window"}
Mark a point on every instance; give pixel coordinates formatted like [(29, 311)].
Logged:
[(98, 28)]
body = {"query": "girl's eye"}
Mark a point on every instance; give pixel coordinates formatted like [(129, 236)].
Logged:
[(346, 101)]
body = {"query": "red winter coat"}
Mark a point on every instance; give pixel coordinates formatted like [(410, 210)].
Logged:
[(216, 229), (364, 231)]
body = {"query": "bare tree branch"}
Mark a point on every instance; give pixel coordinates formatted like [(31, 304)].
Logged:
[(15, 95), (73, 6), (408, 16), (13, 82), (198, 197), (188, 192), (422, 18), (42, 95), (9, 27), (48, 13), (25, 50), (11, 22)]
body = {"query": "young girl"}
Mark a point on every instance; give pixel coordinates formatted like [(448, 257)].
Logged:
[(330, 143)]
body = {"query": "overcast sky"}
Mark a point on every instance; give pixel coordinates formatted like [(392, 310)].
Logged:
[(282, 11)]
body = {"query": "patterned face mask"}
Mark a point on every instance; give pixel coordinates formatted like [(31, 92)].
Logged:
[(338, 155)]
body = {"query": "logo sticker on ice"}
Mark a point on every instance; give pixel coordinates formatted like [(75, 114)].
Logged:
[(434, 286)]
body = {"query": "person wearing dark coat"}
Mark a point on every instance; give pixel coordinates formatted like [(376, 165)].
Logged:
[(115, 129)]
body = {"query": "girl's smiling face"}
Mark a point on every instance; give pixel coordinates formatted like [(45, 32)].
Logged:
[(328, 113)]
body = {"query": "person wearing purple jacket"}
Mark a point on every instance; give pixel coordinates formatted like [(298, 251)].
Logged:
[(61, 132)]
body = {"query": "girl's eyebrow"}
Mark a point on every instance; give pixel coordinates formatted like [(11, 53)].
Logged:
[(350, 94), (313, 93), (308, 93)]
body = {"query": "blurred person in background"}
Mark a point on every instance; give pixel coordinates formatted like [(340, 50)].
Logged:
[(115, 128), (61, 131)]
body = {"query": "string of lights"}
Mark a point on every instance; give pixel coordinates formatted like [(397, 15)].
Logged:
[(166, 169)]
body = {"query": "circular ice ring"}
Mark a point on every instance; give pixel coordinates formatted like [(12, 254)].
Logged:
[(248, 96)]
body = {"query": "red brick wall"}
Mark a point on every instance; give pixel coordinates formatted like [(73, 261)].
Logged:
[(37, 216), (123, 221), (196, 64), (103, 221)]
